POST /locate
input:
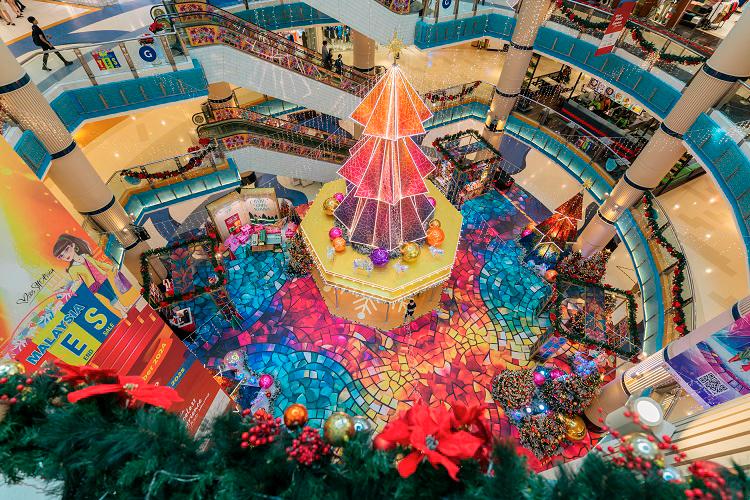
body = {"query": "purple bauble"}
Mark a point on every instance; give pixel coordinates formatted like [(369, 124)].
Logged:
[(432, 200), (538, 379), (334, 233), (265, 381), (556, 373), (338, 197), (379, 257)]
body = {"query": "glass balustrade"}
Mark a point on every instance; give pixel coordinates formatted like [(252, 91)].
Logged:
[(104, 62), (736, 107)]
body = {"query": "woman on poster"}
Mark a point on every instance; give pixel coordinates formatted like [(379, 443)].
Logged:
[(82, 266)]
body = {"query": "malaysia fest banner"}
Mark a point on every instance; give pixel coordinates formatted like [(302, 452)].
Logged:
[(717, 369), (616, 26), (62, 298)]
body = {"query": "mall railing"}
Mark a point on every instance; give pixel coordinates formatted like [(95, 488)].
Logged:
[(200, 24), (736, 108), (665, 264), (104, 62), (144, 189)]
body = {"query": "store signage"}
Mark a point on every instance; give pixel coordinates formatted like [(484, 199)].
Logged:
[(716, 370), (105, 59), (233, 222), (616, 26), (147, 53)]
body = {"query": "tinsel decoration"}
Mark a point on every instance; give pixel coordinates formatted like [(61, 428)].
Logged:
[(571, 394), (513, 388), (300, 262), (678, 278), (541, 434), (590, 270)]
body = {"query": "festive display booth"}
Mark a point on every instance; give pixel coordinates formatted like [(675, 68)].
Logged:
[(383, 239), (468, 166), (250, 217)]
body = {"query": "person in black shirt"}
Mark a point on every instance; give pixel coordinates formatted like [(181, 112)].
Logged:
[(40, 40), (339, 65), (410, 308)]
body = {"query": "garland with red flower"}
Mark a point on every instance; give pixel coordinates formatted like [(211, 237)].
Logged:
[(441, 96), (210, 239), (678, 278), (130, 445), (636, 33), (200, 152)]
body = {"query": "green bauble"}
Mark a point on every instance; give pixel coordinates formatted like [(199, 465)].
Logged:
[(338, 428)]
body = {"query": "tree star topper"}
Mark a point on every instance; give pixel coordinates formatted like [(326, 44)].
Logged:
[(395, 45)]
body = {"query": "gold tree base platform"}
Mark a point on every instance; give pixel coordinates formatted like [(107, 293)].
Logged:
[(378, 299)]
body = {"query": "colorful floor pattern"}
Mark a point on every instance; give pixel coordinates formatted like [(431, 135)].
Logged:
[(487, 323)]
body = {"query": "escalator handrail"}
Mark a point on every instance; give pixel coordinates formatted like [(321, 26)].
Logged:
[(257, 34)]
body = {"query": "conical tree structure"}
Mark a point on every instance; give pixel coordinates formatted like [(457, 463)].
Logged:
[(549, 237), (386, 201)]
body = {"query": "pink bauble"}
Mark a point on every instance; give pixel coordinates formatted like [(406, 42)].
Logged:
[(265, 381), (538, 378), (556, 373), (334, 233), (526, 232), (338, 197), (431, 200)]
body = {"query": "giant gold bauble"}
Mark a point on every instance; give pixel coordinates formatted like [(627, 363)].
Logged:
[(10, 367), (410, 252), (338, 428), (575, 428), (435, 236), (295, 416), (329, 205), (435, 223)]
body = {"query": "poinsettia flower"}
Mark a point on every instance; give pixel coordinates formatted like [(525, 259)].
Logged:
[(79, 374), (428, 433), (471, 419), (134, 389)]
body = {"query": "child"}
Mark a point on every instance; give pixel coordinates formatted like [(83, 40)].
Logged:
[(91, 272)]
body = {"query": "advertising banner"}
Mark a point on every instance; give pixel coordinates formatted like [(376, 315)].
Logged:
[(716, 370), (62, 298), (616, 26)]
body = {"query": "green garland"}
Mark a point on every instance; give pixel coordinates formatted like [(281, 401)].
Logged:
[(211, 239), (578, 335), (99, 448), (636, 33), (678, 279)]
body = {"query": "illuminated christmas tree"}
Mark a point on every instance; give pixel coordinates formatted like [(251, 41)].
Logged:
[(386, 202), (546, 241)]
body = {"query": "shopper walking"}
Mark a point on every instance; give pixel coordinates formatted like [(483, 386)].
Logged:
[(339, 65), (327, 55), (15, 8), (5, 14), (40, 39)]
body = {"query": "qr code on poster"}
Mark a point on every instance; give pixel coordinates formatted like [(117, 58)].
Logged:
[(713, 384)]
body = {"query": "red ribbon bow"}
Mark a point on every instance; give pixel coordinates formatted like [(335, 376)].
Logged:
[(134, 389)]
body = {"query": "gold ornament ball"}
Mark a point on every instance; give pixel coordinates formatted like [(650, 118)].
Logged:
[(361, 424), (338, 428), (10, 367), (410, 252), (295, 416), (330, 205), (435, 223), (575, 428)]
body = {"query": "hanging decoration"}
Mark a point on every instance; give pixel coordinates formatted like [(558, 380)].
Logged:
[(678, 278), (636, 32), (199, 154)]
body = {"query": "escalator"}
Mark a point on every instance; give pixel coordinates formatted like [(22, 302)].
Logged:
[(271, 64)]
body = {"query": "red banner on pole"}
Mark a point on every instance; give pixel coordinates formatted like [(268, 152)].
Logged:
[(616, 25)]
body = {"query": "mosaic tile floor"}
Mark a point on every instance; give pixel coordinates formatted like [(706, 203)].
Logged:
[(486, 323)]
